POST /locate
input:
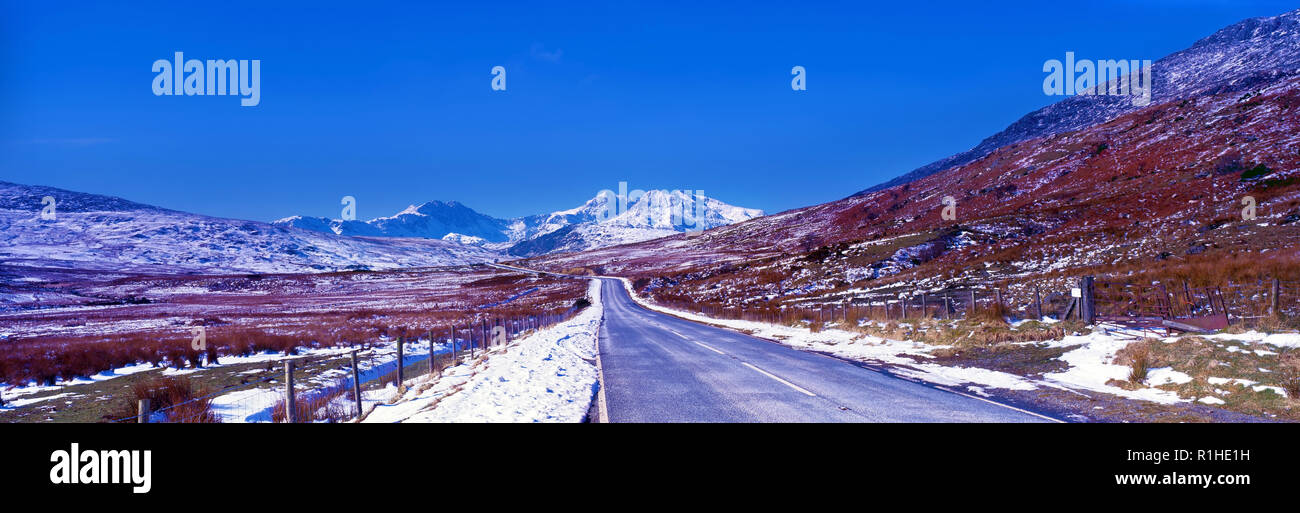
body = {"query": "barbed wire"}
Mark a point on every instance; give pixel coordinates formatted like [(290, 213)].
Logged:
[(272, 375)]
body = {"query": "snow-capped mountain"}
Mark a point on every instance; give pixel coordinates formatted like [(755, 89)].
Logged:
[(432, 220), (1237, 58), (602, 221), (101, 232)]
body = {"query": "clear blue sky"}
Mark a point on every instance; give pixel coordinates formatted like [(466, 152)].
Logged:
[(391, 103)]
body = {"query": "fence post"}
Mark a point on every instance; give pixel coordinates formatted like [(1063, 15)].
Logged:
[(401, 364), (923, 308), (289, 408), (1038, 302), (1087, 313), (432, 352), (947, 307), (902, 304), (1275, 299), (142, 413), (452, 338), (356, 383), (997, 294), (971, 309)]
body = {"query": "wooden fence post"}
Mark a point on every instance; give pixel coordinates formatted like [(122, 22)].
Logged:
[(902, 304), (997, 295), (1038, 302), (356, 383), (923, 307), (452, 338), (947, 307), (1275, 309), (401, 364), (289, 409), (142, 413), (469, 332), (971, 309)]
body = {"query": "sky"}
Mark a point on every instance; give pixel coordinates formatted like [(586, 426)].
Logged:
[(392, 104)]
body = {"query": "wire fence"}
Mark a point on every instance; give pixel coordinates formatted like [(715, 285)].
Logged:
[(338, 386), (1138, 305), (952, 303)]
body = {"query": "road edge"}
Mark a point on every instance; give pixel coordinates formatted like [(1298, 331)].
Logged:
[(627, 286), (602, 407)]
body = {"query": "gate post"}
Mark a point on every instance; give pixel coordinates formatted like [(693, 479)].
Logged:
[(1087, 304), (289, 407)]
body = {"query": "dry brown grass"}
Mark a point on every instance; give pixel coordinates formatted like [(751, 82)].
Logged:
[(1139, 358), (1290, 373), (174, 397)]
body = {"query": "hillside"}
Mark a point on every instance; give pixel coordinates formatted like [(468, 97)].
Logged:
[(1238, 58), (1159, 188)]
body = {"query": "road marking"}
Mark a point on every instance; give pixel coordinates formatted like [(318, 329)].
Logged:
[(1007, 406), (773, 376), (602, 407), (706, 346)]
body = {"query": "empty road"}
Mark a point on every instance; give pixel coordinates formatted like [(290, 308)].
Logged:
[(659, 368)]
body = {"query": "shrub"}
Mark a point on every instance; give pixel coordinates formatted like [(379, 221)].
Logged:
[(1139, 362), (1290, 373)]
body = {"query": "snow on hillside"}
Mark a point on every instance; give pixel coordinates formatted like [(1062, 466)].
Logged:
[(432, 220), (597, 223), (99, 232)]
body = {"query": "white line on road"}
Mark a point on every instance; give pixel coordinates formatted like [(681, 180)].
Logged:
[(706, 346), (770, 375), (1007, 406)]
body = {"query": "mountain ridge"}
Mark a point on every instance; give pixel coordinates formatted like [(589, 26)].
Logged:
[(92, 231), (1231, 59), (601, 221)]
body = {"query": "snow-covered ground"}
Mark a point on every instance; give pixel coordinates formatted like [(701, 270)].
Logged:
[(253, 404), (547, 376)]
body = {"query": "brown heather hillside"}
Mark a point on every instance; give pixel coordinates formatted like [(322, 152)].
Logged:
[(1156, 192)]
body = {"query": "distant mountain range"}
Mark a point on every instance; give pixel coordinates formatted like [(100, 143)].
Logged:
[(596, 223), (97, 232), (105, 233)]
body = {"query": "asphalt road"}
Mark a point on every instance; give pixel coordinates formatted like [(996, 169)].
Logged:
[(660, 368)]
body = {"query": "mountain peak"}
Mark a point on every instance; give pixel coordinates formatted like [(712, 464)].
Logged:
[(655, 213)]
